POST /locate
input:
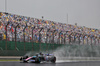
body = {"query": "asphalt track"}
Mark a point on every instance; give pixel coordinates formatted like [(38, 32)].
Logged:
[(82, 63)]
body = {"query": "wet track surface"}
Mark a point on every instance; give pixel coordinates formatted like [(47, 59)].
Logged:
[(85, 63)]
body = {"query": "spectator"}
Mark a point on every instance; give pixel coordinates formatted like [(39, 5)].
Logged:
[(74, 34)]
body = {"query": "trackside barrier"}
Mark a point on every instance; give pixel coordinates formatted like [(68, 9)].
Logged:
[(29, 46), (69, 50), (79, 58)]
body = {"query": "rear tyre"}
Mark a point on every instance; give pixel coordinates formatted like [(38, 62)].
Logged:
[(53, 60)]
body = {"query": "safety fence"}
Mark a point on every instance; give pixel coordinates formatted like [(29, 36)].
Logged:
[(27, 46), (65, 50), (21, 48)]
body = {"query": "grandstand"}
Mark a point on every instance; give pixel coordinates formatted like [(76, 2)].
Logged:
[(50, 31), (26, 29)]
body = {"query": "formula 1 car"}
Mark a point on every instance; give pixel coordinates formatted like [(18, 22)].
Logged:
[(39, 58)]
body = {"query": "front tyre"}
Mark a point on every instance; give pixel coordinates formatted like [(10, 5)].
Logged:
[(37, 60), (23, 59)]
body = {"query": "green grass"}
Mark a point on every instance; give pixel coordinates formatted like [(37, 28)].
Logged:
[(9, 60)]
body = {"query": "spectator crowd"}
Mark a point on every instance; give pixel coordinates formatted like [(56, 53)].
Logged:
[(38, 30)]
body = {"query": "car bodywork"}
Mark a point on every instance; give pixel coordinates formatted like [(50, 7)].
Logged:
[(39, 58)]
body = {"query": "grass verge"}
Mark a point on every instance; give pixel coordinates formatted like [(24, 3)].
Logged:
[(9, 60)]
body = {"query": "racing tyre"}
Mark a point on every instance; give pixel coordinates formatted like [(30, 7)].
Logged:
[(23, 58), (37, 60), (53, 60)]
